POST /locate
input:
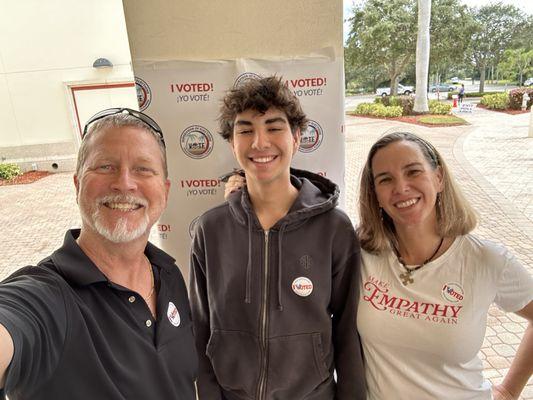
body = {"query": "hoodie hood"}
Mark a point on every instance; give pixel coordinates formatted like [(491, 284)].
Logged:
[(316, 195)]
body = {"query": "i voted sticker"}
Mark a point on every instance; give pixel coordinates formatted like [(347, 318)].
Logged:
[(173, 314), (453, 292), (302, 286)]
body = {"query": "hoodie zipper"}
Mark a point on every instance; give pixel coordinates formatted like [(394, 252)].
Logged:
[(264, 321)]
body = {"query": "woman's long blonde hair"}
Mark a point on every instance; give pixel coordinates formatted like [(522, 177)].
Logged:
[(376, 230)]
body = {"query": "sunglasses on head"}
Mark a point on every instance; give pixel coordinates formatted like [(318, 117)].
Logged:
[(136, 114)]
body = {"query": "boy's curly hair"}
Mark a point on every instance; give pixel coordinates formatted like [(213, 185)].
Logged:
[(260, 95)]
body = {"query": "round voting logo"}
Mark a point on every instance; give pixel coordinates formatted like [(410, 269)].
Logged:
[(245, 77), (144, 94), (311, 138), (196, 142), (302, 286)]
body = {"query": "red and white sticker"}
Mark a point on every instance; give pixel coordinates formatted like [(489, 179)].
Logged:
[(453, 292), (302, 286), (173, 314)]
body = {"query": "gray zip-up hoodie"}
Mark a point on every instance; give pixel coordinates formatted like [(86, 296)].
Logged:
[(275, 311)]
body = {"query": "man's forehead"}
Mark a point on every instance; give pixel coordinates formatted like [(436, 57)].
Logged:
[(127, 136), (104, 152), (112, 149), (121, 130)]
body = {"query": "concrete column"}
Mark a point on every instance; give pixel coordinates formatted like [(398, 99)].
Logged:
[(531, 123), (216, 29)]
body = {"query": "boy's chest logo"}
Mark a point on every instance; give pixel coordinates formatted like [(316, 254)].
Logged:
[(306, 262)]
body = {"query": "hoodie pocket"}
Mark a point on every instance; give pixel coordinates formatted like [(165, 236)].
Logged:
[(235, 359), (297, 366)]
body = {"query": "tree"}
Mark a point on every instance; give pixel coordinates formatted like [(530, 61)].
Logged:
[(494, 31), (383, 35), (368, 73), (450, 30), (422, 57), (523, 37), (363, 75), (516, 64)]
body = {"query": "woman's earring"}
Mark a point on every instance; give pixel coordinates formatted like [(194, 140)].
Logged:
[(439, 205), (381, 214)]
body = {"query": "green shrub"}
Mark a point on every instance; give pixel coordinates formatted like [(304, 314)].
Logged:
[(479, 94), (497, 101), (385, 100), (438, 107), (515, 98), (470, 94), (364, 108), (450, 94), (405, 102), (9, 171), (384, 111), (378, 110)]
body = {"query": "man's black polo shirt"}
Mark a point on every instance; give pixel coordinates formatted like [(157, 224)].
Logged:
[(79, 336)]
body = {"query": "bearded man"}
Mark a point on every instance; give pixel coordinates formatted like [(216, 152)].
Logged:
[(106, 316)]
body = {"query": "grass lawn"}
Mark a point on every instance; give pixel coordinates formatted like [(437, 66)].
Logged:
[(431, 120), (441, 119)]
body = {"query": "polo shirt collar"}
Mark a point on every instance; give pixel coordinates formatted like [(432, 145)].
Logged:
[(77, 268)]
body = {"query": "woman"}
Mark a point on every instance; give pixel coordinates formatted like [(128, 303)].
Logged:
[(461, 93), (427, 283)]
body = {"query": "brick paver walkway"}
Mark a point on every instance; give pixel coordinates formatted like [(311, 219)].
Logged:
[(492, 159), (34, 219)]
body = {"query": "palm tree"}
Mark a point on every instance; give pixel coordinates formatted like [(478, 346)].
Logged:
[(422, 57)]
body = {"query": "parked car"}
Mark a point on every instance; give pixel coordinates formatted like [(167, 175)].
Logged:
[(385, 91), (454, 80), (528, 82), (443, 87)]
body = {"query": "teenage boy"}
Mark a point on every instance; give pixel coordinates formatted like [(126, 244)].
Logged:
[(275, 269)]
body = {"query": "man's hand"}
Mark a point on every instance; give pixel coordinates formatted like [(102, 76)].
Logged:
[(234, 183), (6, 353)]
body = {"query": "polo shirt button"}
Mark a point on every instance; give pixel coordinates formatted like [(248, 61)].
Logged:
[(148, 323), (131, 299)]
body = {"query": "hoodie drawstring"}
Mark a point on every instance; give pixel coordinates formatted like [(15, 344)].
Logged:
[(280, 243), (248, 296)]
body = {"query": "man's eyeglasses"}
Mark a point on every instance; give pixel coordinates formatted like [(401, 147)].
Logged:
[(137, 114)]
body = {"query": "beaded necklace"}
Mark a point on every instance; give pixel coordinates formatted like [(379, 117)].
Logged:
[(407, 276)]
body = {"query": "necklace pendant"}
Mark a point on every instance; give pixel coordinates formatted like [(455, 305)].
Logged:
[(406, 278)]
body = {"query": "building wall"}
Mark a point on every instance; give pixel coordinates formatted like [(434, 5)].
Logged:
[(47, 47), (221, 29)]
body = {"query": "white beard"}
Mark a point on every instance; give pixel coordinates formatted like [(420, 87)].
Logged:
[(120, 232)]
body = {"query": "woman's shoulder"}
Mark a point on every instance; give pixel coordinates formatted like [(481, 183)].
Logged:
[(368, 257), (483, 247)]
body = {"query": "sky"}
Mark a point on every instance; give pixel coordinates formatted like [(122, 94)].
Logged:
[(525, 5)]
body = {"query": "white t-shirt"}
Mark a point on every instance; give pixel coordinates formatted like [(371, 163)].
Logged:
[(421, 341)]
